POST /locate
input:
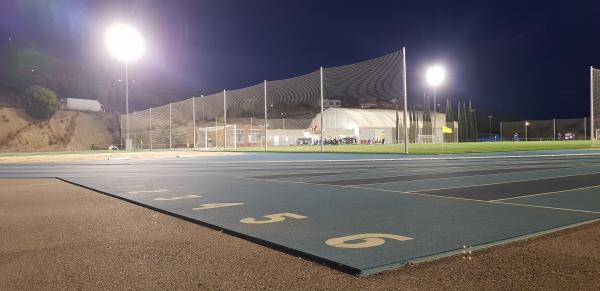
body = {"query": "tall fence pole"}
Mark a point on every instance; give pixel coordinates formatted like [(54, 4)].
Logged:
[(405, 117), (526, 126), (584, 127), (170, 144), (194, 119), (266, 135), (322, 138), (150, 127), (501, 136), (134, 131), (592, 127), (554, 129), (224, 120)]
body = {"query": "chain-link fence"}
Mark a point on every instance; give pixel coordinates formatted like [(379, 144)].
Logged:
[(546, 130), (361, 103)]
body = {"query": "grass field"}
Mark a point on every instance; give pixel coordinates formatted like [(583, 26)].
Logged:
[(447, 148)]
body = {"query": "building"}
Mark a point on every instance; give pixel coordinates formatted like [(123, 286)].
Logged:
[(373, 124), (76, 104)]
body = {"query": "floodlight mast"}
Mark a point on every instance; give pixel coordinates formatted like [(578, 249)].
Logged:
[(125, 44), (435, 77)]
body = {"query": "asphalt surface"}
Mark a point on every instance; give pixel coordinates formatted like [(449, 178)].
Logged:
[(359, 213)]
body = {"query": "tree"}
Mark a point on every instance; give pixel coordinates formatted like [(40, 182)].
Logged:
[(40, 103), (449, 114)]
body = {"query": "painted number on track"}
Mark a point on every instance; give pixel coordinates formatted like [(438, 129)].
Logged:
[(271, 218), (363, 240)]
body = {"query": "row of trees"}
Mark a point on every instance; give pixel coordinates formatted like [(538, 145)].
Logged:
[(466, 116), (461, 112)]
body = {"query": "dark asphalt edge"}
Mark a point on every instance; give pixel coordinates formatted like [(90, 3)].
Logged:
[(446, 254), (281, 248)]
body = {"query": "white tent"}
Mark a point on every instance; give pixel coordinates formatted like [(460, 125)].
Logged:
[(365, 124)]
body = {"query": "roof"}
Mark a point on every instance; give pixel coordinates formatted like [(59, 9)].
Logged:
[(362, 118)]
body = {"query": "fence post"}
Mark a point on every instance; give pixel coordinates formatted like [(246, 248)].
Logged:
[(592, 127), (134, 131), (266, 135), (150, 127), (526, 126), (322, 137), (194, 119), (585, 128), (170, 144), (554, 129), (405, 117), (224, 120)]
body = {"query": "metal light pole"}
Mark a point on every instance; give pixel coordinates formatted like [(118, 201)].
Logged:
[(435, 76), (126, 44), (526, 126)]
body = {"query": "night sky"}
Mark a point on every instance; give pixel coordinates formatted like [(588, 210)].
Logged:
[(527, 59)]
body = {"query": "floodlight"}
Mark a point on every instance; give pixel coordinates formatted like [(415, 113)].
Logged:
[(124, 42), (435, 75)]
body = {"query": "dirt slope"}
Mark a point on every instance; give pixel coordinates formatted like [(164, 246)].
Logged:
[(66, 130)]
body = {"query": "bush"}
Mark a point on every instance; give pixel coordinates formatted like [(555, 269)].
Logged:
[(41, 103)]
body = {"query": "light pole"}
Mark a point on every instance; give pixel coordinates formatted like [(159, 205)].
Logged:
[(435, 77), (490, 118), (125, 44), (526, 126)]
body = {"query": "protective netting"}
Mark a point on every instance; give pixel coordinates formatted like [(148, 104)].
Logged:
[(365, 100), (142, 129), (545, 130), (358, 103), (245, 111), (292, 106), (182, 124), (161, 129), (595, 102)]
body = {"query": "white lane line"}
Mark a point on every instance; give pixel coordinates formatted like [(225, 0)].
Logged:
[(148, 191), (412, 159), (506, 182), (365, 188), (177, 198), (546, 193), (434, 173), (430, 195), (126, 187), (119, 158), (547, 207)]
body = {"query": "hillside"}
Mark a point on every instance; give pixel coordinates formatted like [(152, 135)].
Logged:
[(66, 130)]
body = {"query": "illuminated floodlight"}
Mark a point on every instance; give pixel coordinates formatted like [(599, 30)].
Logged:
[(527, 123), (124, 43), (435, 75)]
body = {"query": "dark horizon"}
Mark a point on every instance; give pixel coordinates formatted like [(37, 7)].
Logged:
[(524, 60)]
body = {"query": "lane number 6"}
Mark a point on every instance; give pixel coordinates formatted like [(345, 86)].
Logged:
[(364, 240)]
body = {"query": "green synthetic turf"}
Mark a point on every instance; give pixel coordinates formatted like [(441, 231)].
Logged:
[(447, 148)]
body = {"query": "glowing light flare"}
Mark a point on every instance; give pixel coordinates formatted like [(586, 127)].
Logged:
[(435, 75), (124, 42)]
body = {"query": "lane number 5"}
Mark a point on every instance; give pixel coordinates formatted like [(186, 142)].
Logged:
[(363, 240), (271, 218)]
